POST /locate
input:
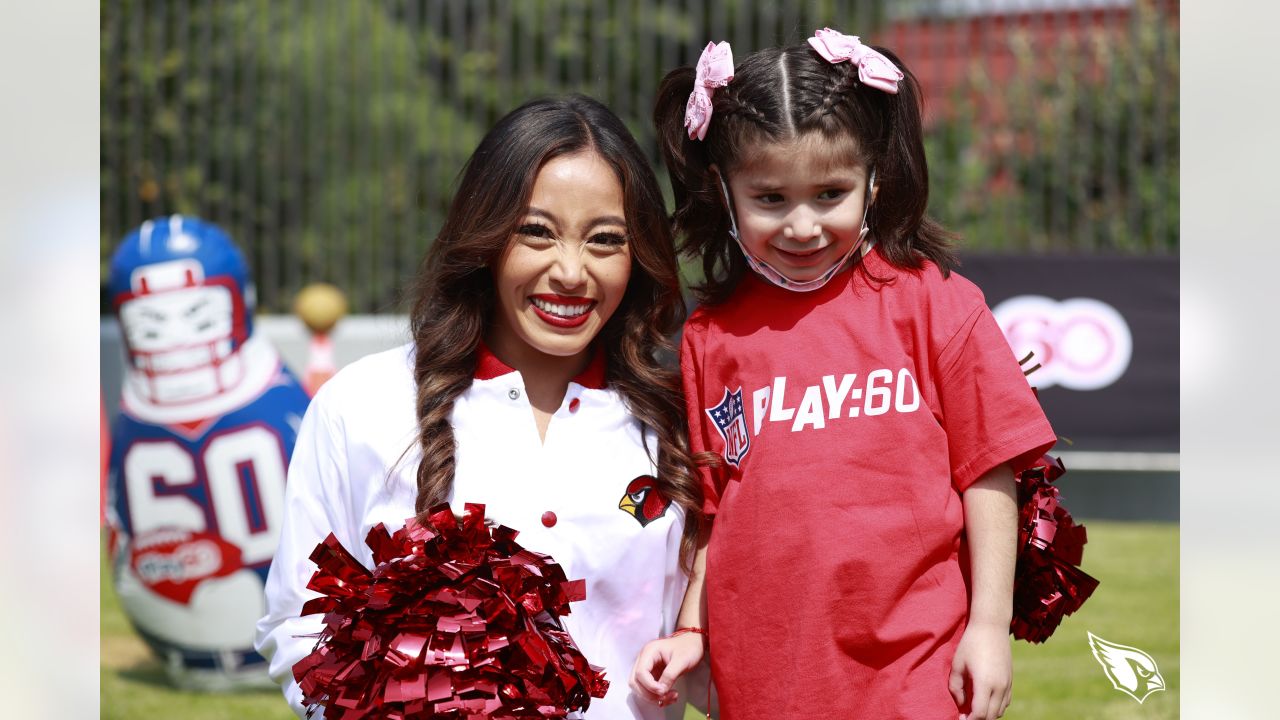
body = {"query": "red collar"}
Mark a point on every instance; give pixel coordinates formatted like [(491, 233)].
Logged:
[(488, 367)]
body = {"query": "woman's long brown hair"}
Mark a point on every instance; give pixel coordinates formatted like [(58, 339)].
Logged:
[(454, 299)]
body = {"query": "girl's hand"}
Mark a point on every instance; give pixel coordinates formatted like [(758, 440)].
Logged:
[(662, 662), (982, 672)]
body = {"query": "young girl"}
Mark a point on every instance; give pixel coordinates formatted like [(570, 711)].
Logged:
[(864, 411), (531, 386)]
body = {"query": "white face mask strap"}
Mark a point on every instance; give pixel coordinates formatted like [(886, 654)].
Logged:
[(866, 206), (760, 267), (767, 272), (728, 203)]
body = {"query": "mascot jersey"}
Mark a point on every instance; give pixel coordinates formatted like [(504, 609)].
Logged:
[(585, 496), (848, 421), (195, 513)]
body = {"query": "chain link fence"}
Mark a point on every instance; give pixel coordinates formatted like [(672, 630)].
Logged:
[(326, 136)]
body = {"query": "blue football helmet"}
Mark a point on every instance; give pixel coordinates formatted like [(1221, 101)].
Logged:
[(181, 289)]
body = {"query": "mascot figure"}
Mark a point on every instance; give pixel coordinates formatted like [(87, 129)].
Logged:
[(208, 419)]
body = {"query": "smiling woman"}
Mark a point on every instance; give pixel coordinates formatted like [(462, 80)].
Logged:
[(532, 386), (561, 277)]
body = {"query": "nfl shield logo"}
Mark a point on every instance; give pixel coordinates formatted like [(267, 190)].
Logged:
[(732, 424)]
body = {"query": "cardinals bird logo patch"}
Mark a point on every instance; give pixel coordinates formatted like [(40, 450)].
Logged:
[(731, 422), (1131, 671), (643, 501)]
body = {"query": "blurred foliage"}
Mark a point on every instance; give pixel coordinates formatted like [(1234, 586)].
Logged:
[(326, 137), (1086, 157), (274, 123)]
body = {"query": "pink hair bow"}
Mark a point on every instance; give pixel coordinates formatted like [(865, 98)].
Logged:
[(874, 69), (714, 70)]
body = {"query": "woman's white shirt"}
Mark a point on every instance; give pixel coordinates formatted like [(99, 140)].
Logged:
[(355, 465)]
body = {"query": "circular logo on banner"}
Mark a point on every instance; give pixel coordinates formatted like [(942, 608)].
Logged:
[(1080, 343)]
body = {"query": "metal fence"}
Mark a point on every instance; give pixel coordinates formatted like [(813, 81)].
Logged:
[(326, 136)]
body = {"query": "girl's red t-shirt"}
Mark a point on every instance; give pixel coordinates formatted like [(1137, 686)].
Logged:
[(847, 421)]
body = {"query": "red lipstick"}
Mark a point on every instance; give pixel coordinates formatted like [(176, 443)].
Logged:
[(562, 311)]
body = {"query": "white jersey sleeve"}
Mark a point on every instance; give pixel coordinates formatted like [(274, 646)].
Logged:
[(314, 507)]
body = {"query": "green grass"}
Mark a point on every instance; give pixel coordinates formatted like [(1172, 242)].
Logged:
[(1136, 604)]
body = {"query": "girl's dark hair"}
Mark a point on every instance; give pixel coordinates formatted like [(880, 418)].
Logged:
[(783, 94), (454, 298)]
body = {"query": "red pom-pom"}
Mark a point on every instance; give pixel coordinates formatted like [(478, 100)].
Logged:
[(1048, 583), (456, 621)]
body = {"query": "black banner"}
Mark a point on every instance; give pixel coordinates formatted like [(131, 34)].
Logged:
[(1105, 331)]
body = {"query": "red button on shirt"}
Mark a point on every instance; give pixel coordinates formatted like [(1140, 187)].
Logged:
[(548, 518), (573, 405)]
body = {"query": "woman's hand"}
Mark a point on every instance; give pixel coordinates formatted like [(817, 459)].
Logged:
[(982, 672), (662, 662)]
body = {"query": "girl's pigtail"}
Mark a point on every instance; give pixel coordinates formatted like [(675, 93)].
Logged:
[(700, 219), (902, 174), (684, 159)]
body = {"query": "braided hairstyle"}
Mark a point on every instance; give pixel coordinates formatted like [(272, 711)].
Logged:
[(783, 94), (455, 296)]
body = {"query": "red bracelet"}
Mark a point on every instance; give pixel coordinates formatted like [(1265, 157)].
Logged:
[(683, 630), (703, 633)]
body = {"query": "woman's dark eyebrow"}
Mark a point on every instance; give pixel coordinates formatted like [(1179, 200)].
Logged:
[(606, 220), (537, 212), (596, 222)]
